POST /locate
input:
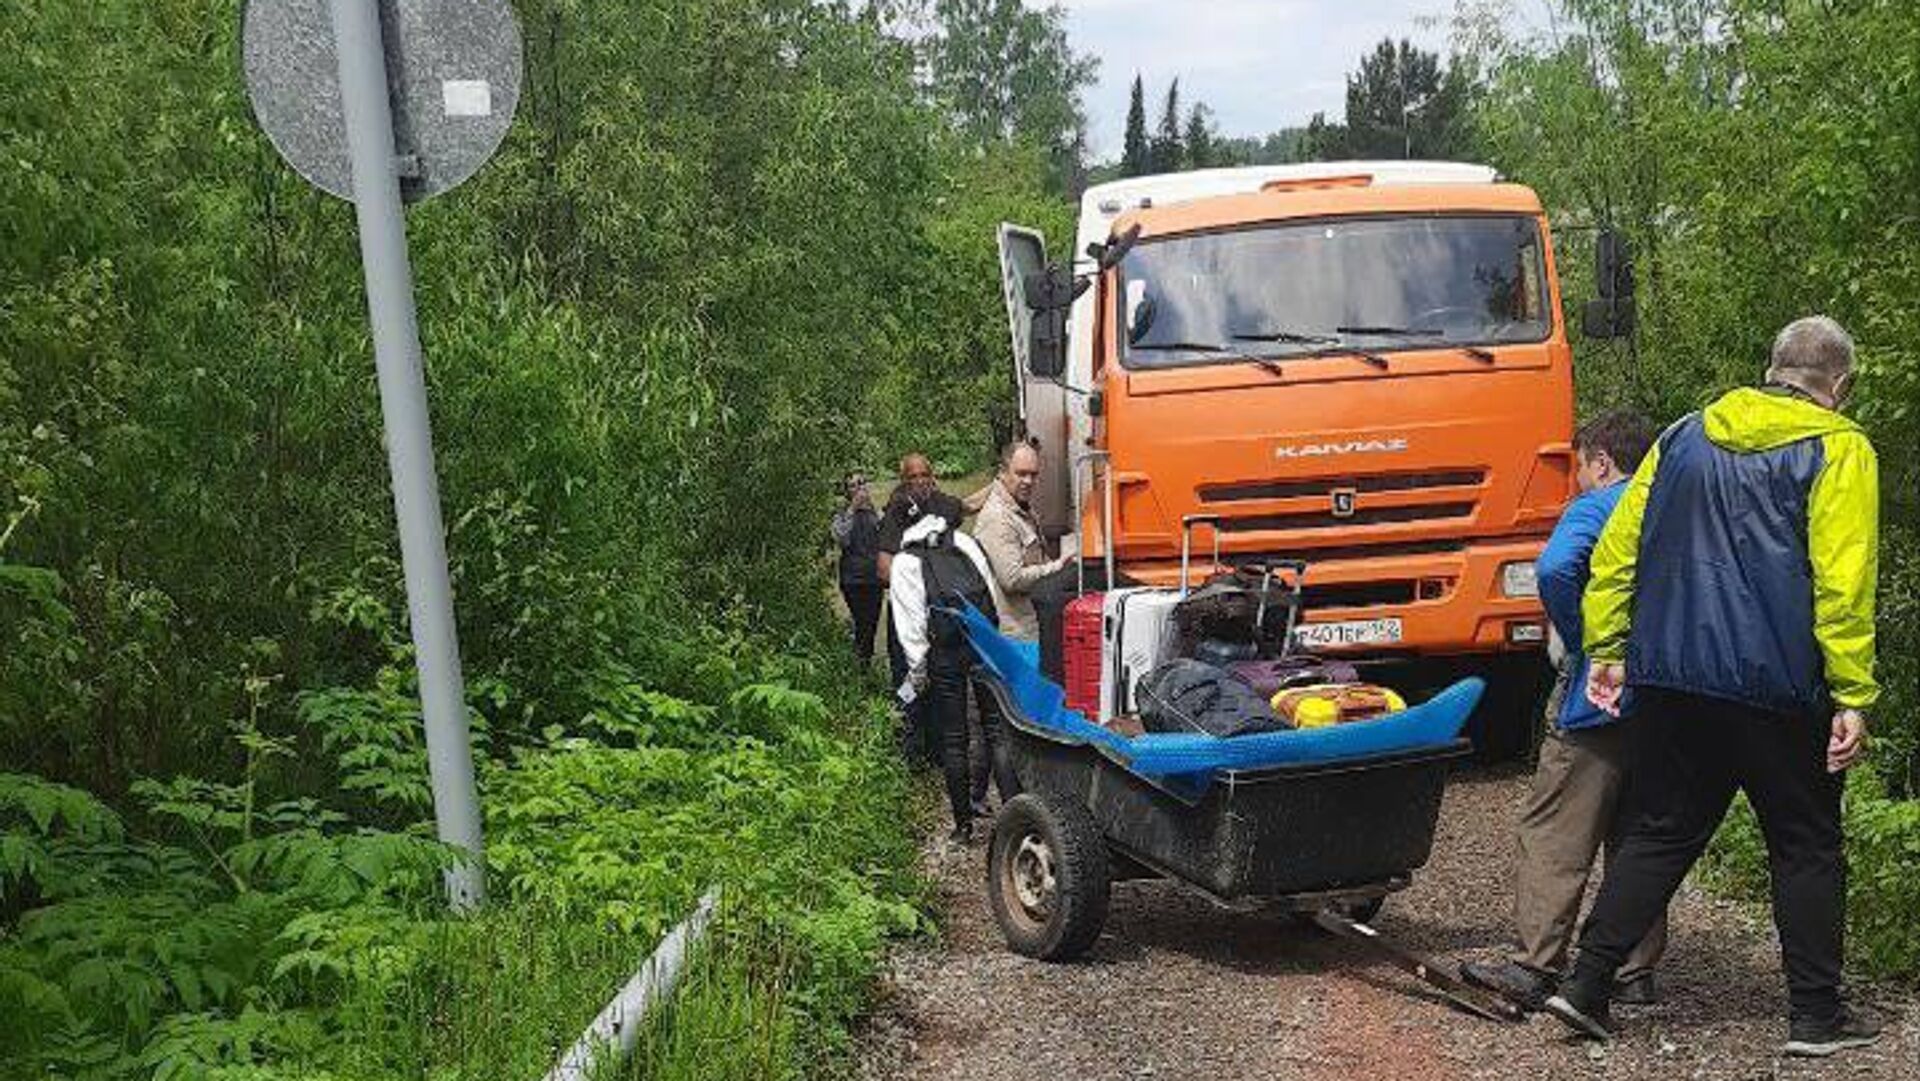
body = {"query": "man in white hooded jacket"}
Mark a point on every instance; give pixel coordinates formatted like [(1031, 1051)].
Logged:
[(937, 569)]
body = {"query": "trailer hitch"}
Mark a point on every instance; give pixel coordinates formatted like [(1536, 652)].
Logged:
[(1469, 998)]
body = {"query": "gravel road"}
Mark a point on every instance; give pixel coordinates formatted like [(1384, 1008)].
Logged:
[(1176, 989)]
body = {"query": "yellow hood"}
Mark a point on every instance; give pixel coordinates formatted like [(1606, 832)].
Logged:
[(1748, 420)]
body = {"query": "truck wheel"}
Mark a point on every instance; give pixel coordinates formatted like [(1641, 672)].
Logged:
[(1047, 876), (1508, 719)]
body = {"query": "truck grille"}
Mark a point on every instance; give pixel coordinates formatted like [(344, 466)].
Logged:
[(1393, 592), (1326, 519), (1241, 491)]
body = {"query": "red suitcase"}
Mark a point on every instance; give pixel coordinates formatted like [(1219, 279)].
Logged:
[(1080, 647)]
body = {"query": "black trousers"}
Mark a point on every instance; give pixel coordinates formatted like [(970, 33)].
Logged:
[(863, 605), (950, 675), (918, 745), (1691, 754)]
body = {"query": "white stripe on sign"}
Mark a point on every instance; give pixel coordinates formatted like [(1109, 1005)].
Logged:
[(466, 97)]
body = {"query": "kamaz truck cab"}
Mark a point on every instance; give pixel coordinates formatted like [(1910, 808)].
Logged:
[(1358, 364)]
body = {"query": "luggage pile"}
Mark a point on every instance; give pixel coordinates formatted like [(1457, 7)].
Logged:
[(1219, 659)]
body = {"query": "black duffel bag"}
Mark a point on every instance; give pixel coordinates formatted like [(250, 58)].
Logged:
[(1237, 606), (1192, 696)]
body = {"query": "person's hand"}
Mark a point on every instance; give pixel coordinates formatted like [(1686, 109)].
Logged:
[(917, 676), (1848, 741), (1605, 682)]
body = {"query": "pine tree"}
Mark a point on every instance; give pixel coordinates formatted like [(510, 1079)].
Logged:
[(1136, 159), (1201, 148), (1167, 153)]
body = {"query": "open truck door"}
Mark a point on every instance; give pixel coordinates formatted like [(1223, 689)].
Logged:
[(1039, 391)]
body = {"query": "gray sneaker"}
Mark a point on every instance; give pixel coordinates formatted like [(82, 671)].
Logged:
[(1638, 989), (1810, 1038), (1525, 987), (1582, 1011)]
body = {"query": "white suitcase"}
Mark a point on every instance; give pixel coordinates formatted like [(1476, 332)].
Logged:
[(1136, 636)]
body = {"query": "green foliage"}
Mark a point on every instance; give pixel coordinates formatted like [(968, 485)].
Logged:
[(1136, 157), (1883, 873), (1402, 102), (1761, 160), (1006, 75)]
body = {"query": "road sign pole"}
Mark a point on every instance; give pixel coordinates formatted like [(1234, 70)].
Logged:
[(403, 402)]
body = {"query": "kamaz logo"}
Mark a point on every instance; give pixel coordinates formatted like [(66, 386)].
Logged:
[(1349, 446)]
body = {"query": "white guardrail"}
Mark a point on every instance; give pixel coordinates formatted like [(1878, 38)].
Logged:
[(618, 1026)]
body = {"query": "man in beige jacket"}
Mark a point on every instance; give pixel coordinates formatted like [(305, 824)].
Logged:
[(1007, 532)]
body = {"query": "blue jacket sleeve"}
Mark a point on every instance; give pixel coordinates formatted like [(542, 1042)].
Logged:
[(1564, 566)]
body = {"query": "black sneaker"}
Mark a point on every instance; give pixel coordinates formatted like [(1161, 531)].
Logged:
[(1809, 1038), (962, 834), (1524, 987), (1583, 1010), (1638, 989)]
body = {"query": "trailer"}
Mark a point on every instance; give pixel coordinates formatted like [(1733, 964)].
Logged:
[(1323, 823)]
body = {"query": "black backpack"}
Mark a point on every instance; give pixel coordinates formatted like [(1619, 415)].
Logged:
[(950, 578)]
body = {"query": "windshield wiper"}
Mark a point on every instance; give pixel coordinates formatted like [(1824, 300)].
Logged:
[(1394, 332), (1342, 350), (1331, 345), (1271, 364), (1474, 351), (1292, 336)]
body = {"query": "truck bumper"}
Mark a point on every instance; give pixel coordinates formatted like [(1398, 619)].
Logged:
[(1446, 603)]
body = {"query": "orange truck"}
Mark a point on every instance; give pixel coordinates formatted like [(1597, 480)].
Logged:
[(1361, 364)]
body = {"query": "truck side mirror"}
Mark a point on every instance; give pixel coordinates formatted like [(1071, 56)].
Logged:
[(1054, 288), (1612, 265), (1108, 255), (1613, 314), (1049, 295), (1047, 344), (1604, 319)]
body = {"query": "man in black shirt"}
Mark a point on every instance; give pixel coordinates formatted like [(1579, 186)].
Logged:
[(917, 496)]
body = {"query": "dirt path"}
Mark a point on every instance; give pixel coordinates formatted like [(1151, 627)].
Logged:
[(1176, 989)]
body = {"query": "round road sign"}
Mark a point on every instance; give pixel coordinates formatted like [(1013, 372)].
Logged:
[(453, 71)]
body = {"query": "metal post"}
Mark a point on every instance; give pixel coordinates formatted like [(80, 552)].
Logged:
[(403, 403)]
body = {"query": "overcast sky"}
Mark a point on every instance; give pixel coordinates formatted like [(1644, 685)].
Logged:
[(1260, 64)]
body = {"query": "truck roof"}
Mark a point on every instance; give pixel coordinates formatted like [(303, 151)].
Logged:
[(1117, 195), (1102, 205)]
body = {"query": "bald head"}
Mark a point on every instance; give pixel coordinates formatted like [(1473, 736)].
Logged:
[(1019, 470), (1814, 354), (916, 475)]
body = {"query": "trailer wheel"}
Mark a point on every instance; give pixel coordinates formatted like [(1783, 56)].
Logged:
[(1363, 911), (1047, 876)]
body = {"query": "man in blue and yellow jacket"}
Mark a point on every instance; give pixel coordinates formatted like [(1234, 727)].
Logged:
[(1732, 599)]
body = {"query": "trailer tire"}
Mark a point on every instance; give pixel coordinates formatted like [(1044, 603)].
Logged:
[(1364, 911), (1047, 876)]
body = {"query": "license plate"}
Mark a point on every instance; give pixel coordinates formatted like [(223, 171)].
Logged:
[(1353, 632)]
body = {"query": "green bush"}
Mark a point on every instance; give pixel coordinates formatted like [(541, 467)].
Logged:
[(1883, 873), (1760, 159), (728, 249)]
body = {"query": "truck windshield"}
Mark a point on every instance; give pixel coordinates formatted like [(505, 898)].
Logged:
[(1329, 287)]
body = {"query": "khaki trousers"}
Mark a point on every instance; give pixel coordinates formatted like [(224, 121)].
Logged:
[(1570, 817)]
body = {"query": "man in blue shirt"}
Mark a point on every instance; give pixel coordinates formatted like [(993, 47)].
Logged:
[(1570, 813)]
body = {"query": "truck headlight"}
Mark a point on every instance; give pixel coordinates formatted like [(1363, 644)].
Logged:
[(1519, 579)]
